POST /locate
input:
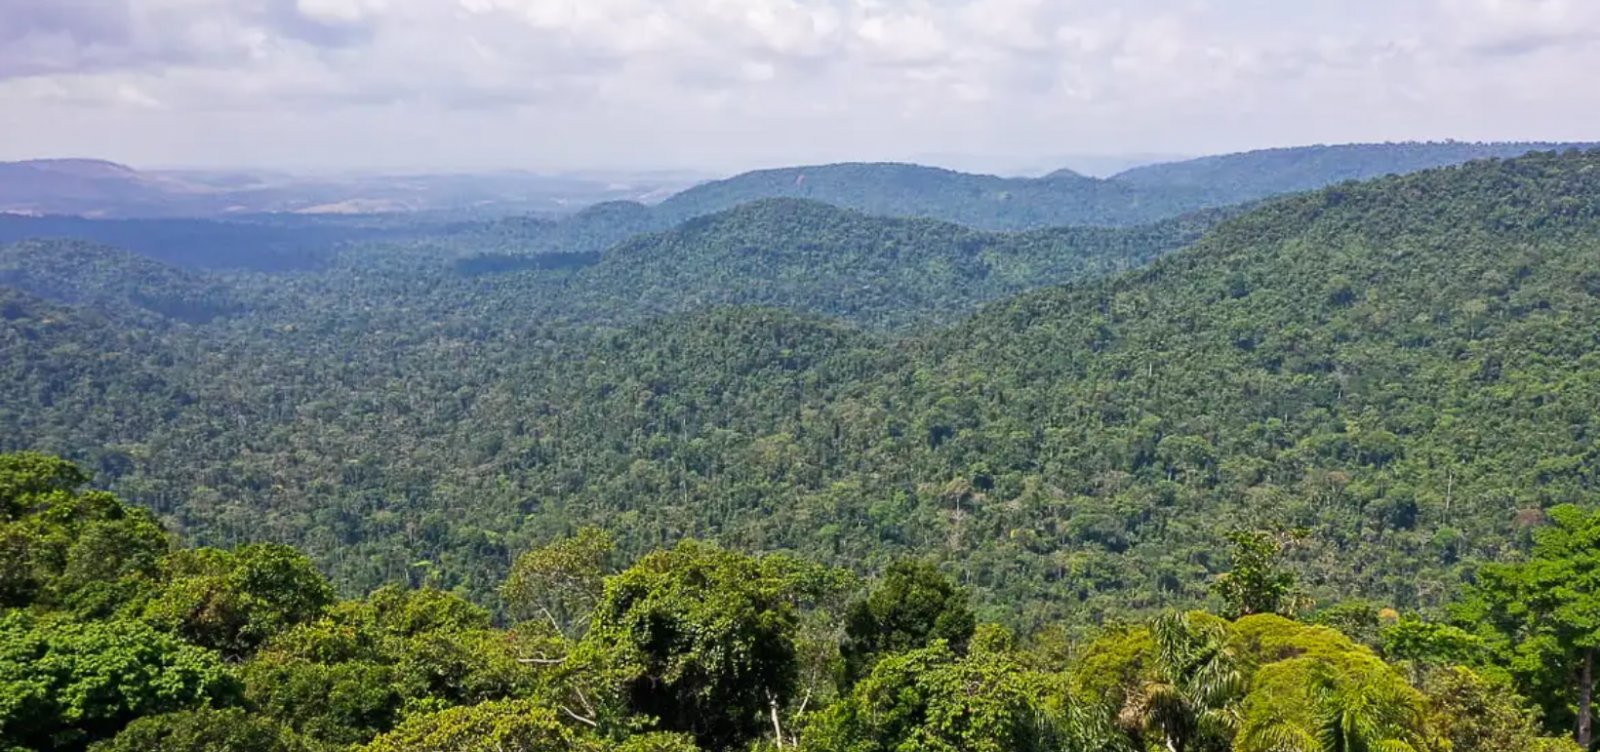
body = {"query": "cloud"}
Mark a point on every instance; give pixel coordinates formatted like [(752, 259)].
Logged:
[(740, 81), (1520, 27)]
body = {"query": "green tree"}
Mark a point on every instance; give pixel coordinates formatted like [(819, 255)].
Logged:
[(933, 699), (67, 683), (234, 600), (1193, 703), (1542, 617), (913, 605), (1258, 583), (68, 548), (499, 726), (699, 639), (1473, 713), (1315, 690), (204, 730), (561, 581)]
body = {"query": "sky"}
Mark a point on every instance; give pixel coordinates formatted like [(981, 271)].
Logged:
[(731, 84)]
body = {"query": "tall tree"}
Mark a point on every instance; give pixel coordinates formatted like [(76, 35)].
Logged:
[(911, 607), (1258, 583), (1542, 616), (700, 639)]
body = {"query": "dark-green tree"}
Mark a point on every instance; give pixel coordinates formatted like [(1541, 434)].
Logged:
[(913, 605)]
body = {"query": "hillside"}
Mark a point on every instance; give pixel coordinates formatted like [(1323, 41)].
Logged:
[(112, 280), (1139, 196), (1404, 367), (1232, 178), (888, 273), (979, 201)]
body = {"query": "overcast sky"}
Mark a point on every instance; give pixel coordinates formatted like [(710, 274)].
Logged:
[(730, 84)]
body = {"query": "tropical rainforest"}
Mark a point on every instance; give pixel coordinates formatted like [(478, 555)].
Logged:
[(1314, 472)]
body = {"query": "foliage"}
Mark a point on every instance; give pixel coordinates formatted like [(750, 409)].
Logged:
[(1257, 584), (697, 647), (698, 639), (501, 726), (912, 606), (560, 581), (233, 600), (204, 730), (66, 683), (366, 665), (63, 547), (934, 699), (1475, 714), (1542, 617)]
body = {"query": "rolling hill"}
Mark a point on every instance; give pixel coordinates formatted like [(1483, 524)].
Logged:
[(890, 273), (1251, 175), (1406, 368)]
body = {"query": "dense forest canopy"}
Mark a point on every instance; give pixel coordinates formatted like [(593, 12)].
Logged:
[(114, 640), (449, 493), (1374, 362)]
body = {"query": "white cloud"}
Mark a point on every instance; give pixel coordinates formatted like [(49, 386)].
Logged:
[(731, 82)]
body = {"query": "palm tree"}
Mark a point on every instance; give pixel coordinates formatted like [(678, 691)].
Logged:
[(1193, 703), (1351, 715)]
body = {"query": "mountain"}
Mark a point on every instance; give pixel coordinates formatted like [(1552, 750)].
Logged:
[(978, 201), (97, 188), (303, 243), (1403, 370), (815, 258), (1233, 178), (112, 280), (1064, 197)]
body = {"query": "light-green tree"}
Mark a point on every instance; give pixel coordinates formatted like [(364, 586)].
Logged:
[(1258, 583), (66, 683), (935, 700)]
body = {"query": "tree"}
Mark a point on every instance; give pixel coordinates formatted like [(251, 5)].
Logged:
[(698, 639), (61, 546), (1542, 617), (204, 730), (913, 605), (560, 581), (1193, 702), (1423, 643), (500, 726), (933, 699), (1318, 691), (354, 673), (1258, 584), (1474, 713), (232, 601), (66, 683)]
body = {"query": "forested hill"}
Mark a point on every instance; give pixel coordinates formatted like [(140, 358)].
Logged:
[(880, 272), (113, 281), (979, 201), (1231, 178), (1140, 196), (1406, 368)]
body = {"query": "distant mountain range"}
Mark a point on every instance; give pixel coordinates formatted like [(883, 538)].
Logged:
[(101, 189), (1062, 198)]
